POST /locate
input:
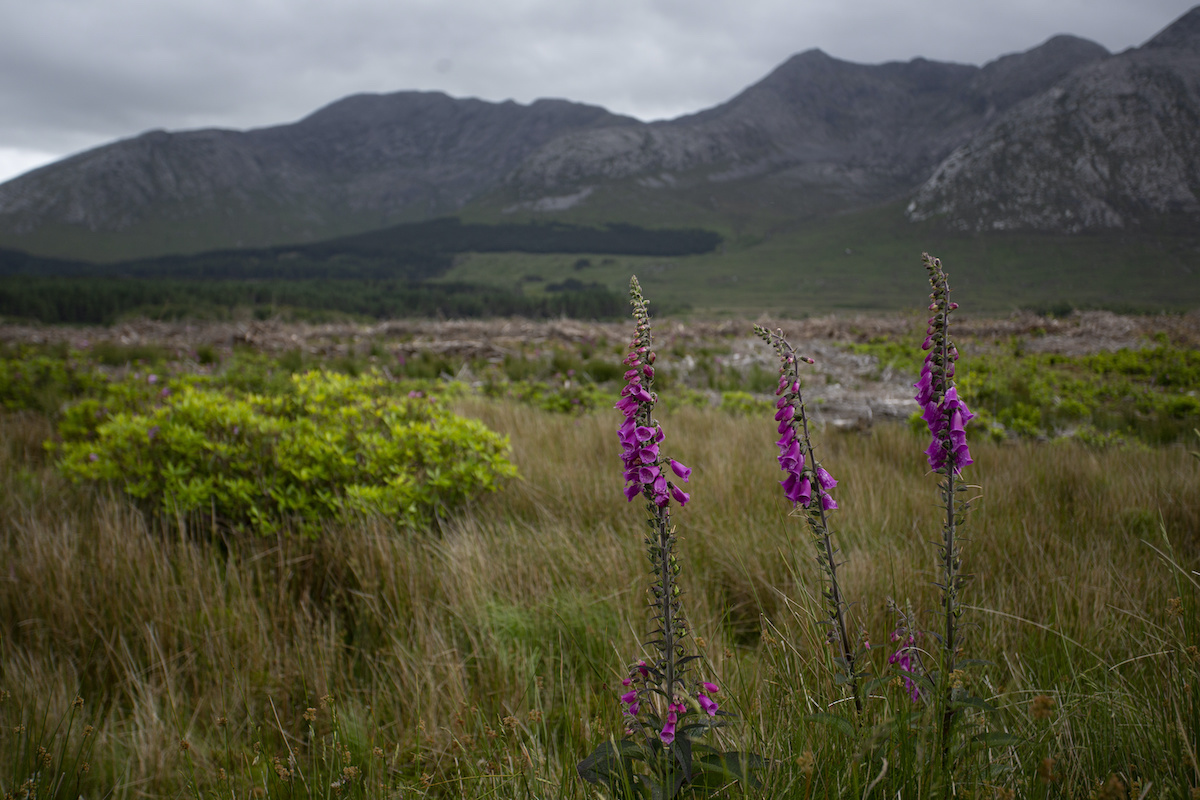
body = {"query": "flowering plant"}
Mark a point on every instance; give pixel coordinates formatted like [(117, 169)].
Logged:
[(799, 463), (664, 709), (946, 416)]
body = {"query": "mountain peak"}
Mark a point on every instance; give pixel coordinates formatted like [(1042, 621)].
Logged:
[(1014, 77), (1183, 33)]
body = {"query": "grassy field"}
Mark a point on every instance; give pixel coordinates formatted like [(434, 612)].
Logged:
[(482, 657), (858, 261)]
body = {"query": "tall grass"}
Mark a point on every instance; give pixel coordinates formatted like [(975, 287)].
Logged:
[(481, 659)]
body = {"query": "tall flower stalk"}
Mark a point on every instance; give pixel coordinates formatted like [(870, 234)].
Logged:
[(646, 471), (663, 708), (804, 475), (946, 417)]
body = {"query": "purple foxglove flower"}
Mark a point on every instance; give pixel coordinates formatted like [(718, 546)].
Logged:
[(632, 491), (680, 495), (928, 343), (659, 435), (828, 503), (804, 493), (825, 479), (710, 688), (648, 454), (962, 457), (667, 735), (643, 433), (783, 401), (629, 697), (783, 426), (788, 436), (924, 386), (642, 395), (683, 472), (648, 371), (792, 463), (661, 500), (708, 705), (660, 484), (627, 406), (785, 413), (783, 382), (792, 452), (631, 374), (633, 709), (936, 454), (797, 489)]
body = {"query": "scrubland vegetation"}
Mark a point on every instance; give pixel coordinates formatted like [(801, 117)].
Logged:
[(478, 651)]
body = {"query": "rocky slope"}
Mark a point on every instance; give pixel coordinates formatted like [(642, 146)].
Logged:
[(1114, 144), (370, 158), (866, 132)]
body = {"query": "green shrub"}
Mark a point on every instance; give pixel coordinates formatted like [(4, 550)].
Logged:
[(335, 446), (564, 397), (30, 382), (744, 404)]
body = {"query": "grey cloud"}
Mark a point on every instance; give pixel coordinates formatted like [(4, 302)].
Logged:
[(74, 73)]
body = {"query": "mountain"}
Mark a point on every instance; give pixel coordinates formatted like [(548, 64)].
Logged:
[(1114, 144), (863, 132), (363, 162), (1064, 137)]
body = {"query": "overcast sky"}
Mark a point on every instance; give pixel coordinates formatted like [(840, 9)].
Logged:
[(78, 73)]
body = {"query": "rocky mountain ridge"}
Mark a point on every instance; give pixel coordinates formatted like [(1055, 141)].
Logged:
[(865, 131), (1113, 145), (1062, 137)]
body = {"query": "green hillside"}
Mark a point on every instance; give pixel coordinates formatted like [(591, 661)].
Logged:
[(861, 260), (496, 264)]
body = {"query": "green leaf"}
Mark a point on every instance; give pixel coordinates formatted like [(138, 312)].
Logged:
[(719, 769), (839, 724), (974, 702), (993, 739), (611, 763), (682, 747), (975, 662)]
